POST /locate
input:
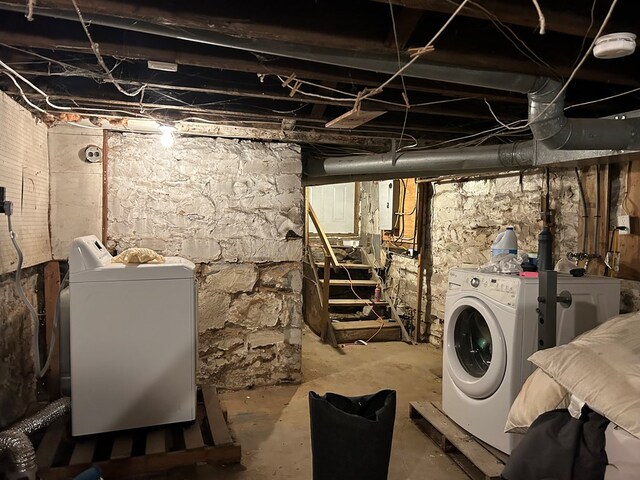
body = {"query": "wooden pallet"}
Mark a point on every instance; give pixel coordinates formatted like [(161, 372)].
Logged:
[(140, 451), (474, 458)]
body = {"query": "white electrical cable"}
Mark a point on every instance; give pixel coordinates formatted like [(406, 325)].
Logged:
[(24, 97), (25, 80)]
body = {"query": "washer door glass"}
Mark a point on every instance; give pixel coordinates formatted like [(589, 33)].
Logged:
[(473, 342), (475, 353)]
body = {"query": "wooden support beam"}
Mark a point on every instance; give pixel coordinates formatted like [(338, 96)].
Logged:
[(177, 53), (473, 111), (520, 14), (407, 20), (319, 109)]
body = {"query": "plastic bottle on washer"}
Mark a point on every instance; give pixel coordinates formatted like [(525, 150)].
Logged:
[(505, 242)]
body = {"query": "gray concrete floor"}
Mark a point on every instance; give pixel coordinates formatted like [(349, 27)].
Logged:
[(272, 423)]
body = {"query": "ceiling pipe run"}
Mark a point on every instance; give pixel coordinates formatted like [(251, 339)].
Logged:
[(437, 162), (547, 120)]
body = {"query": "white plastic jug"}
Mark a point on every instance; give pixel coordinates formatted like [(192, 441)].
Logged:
[(505, 242)]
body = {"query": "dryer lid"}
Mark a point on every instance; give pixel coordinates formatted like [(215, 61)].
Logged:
[(172, 268)]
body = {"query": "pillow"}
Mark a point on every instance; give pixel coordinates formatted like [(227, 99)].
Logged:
[(602, 367), (539, 394), (138, 255)]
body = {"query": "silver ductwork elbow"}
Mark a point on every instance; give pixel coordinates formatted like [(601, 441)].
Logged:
[(20, 453), (552, 128), (16, 444)]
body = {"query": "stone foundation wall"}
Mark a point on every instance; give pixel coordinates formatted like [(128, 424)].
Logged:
[(17, 380), (467, 216), (235, 208)]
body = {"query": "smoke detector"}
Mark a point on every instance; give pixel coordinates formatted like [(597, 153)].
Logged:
[(615, 45)]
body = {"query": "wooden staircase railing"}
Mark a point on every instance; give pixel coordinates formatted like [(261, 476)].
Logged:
[(327, 332)]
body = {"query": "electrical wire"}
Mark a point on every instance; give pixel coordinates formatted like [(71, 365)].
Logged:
[(404, 87), (417, 56), (541, 18), (41, 92), (96, 50), (381, 319), (584, 39), (580, 63), (591, 102), (506, 31)]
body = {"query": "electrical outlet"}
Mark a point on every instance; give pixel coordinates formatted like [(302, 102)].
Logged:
[(624, 221)]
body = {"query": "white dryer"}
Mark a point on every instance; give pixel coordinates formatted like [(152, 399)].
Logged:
[(132, 342), (490, 329)]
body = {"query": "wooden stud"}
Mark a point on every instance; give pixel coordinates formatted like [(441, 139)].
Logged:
[(51, 287), (105, 184)]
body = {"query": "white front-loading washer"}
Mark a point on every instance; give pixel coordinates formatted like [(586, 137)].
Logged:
[(490, 330)]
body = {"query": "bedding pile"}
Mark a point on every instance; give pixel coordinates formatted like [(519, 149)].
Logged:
[(600, 370)]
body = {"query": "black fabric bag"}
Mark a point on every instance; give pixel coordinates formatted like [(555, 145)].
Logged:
[(560, 447), (351, 436)]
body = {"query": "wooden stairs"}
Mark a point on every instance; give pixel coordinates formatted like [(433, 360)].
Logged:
[(340, 303), (351, 314)]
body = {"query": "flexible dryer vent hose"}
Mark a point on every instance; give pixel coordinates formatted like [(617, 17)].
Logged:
[(17, 445)]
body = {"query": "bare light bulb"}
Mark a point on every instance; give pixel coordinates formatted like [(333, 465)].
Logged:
[(166, 140)]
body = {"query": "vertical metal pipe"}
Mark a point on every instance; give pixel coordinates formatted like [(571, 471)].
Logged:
[(596, 234), (585, 216)]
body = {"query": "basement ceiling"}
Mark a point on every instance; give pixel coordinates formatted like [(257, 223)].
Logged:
[(297, 97)]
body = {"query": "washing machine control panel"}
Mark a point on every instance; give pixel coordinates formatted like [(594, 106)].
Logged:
[(501, 288)]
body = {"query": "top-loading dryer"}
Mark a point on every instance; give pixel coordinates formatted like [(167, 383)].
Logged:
[(490, 330), (132, 340)]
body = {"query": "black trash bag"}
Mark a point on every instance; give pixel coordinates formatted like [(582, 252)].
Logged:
[(560, 447), (351, 436)]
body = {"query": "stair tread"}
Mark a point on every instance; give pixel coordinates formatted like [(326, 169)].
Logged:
[(364, 324), (355, 283), (353, 266), (353, 302)]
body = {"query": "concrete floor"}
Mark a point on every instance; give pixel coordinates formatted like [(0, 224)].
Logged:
[(272, 423)]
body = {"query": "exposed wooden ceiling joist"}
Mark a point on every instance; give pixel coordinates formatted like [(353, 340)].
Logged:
[(517, 13)]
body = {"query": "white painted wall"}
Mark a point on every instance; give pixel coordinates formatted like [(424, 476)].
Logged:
[(24, 171), (76, 187)]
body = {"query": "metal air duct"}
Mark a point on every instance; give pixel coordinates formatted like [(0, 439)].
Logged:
[(16, 443)]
